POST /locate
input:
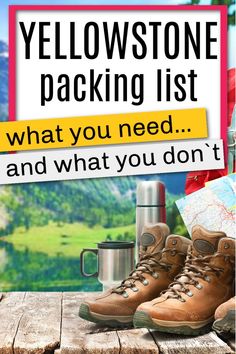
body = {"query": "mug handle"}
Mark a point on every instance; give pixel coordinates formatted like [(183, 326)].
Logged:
[(92, 250)]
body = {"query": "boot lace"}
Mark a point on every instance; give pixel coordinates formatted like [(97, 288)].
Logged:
[(148, 264), (195, 268)]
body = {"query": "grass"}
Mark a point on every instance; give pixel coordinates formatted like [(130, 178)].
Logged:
[(67, 240)]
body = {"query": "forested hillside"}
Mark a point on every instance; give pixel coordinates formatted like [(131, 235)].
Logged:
[(108, 202)]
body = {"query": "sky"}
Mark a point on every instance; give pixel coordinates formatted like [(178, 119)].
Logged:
[(4, 7), (4, 14)]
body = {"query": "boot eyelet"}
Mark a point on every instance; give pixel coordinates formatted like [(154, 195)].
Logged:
[(182, 300), (134, 289), (189, 293), (173, 253), (145, 282), (125, 295), (226, 245), (208, 279), (199, 286), (155, 275)]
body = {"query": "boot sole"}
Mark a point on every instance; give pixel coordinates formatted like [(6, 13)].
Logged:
[(142, 319), (225, 324), (108, 321)]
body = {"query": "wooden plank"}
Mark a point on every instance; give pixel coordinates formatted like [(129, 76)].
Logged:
[(80, 336), (40, 326), (208, 343), (11, 311), (104, 341), (39, 323), (137, 341)]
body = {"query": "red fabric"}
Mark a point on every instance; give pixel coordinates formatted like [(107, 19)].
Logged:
[(197, 179), (231, 93)]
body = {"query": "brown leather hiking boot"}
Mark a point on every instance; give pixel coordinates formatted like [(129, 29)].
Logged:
[(225, 317), (161, 258), (188, 305)]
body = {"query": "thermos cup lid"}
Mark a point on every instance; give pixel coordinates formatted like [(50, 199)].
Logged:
[(115, 244), (150, 193)]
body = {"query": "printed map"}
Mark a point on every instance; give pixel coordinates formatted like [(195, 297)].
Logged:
[(213, 206)]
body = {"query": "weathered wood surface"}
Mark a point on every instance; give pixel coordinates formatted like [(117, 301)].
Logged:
[(11, 311), (204, 344), (40, 325), (137, 341), (79, 336), (48, 323)]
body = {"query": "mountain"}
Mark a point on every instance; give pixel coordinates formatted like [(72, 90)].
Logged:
[(174, 182), (3, 47), (3, 81)]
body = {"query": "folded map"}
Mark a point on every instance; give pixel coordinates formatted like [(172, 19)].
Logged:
[(213, 207)]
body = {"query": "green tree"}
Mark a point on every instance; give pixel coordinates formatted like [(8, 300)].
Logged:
[(229, 3)]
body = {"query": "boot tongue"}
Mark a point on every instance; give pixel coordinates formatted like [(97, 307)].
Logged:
[(205, 242), (153, 238), (151, 241)]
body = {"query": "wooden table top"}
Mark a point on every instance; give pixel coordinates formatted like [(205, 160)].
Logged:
[(48, 323)]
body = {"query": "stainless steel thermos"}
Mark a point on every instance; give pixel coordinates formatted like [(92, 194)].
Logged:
[(115, 262), (150, 206)]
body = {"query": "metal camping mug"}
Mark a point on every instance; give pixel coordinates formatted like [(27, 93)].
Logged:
[(115, 260)]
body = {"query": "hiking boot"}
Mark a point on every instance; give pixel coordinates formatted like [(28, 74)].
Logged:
[(161, 258), (225, 317), (188, 305)]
